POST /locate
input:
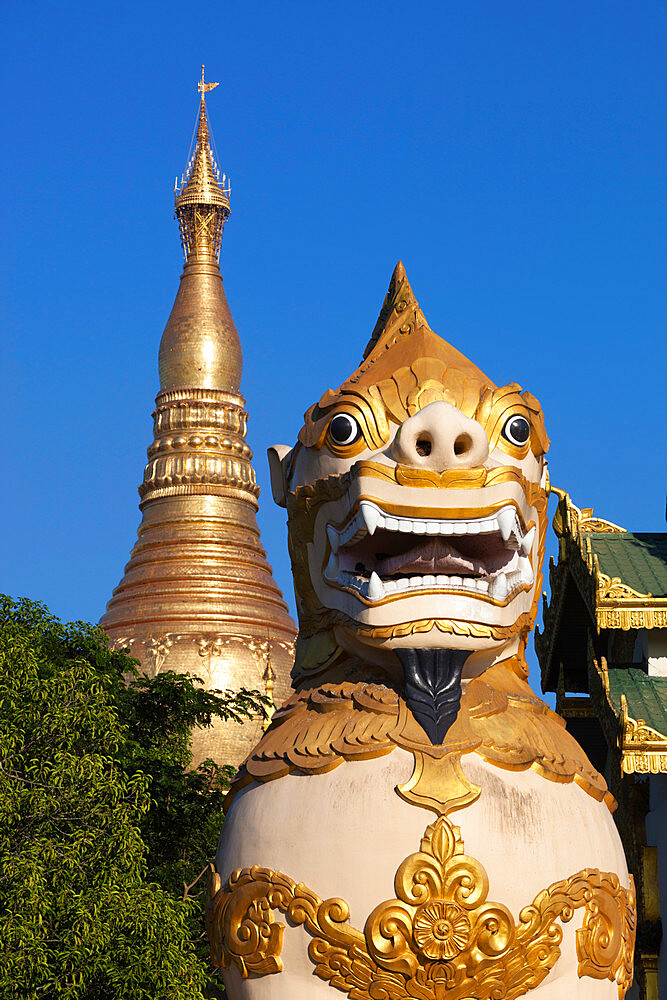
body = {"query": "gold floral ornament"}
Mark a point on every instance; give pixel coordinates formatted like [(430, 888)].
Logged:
[(439, 938), (441, 930)]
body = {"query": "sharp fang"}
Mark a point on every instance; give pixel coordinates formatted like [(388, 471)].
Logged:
[(527, 541), (371, 516), (525, 570), (375, 588), (331, 572), (505, 518), (334, 539)]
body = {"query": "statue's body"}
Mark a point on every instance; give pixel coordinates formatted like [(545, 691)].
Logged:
[(416, 823)]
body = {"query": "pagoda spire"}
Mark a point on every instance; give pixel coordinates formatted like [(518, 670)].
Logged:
[(200, 345), (198, 594), (201, 200)]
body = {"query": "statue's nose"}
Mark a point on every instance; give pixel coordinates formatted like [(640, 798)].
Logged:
[(440, 437)]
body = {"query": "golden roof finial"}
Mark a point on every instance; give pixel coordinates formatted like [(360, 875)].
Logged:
[(202, 87), (202, 203)]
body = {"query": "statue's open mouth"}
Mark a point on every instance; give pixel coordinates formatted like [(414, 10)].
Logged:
[(377, 555)]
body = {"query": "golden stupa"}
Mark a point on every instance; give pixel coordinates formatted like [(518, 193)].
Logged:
[(198, 594)]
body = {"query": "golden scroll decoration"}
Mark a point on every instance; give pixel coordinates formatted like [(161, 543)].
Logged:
[(439, 938)]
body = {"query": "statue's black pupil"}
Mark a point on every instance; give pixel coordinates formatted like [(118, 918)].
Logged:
[(342, 429), (518, 429)]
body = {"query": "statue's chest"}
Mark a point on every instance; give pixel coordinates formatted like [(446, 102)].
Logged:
[(371, 886), (345, 833)]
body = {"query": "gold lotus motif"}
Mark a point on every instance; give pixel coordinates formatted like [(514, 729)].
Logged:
[(440, 937), (441, 930)]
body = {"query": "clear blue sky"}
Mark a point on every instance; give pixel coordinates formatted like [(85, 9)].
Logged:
[(510, 154)]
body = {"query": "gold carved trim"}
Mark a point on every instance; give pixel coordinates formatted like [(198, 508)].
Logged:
[(612, 604), (451, 479), (500, 720), (477, 630), (439, 938), (612, 588), (633, 617), (643, 749)]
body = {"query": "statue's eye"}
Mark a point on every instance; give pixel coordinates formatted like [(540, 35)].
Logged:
[(516, 431), (344, 429)]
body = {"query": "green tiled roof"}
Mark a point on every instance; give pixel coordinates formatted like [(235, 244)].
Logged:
[(640, 560), (647, 696)]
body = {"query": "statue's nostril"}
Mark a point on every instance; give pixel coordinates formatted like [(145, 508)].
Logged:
[(423, 446), (463, 444)]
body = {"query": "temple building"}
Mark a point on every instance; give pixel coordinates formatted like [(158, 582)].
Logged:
[(198, 594), (603, 651)]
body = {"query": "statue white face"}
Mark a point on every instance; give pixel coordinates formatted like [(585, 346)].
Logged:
[(434, 534), (416, 499)]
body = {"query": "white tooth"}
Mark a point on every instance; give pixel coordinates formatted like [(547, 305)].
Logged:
[(498, 587), (391, 524), (456, 581), (505, 519), (419, 527), (331, 572), (432, 527), (403, 583), (446, 528), (473, 527), (415, 581), (441, 580), (429, 581), (334, 537), (483, 586), (488, 525), (527, 541), (525, 570), (460, 527), (371, 516), (404, 525), (389, 586), (375, 588)]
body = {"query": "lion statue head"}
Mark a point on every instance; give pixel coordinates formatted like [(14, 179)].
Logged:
[(416, 497)]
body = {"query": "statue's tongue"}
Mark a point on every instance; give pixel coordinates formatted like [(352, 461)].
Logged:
[(432, 555)]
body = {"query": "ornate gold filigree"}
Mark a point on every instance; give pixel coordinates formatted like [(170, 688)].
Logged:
[(611, 602), (500, 719), (440, 937), (643, 749), (612, 588)]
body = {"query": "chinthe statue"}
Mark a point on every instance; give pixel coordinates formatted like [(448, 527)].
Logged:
[(416, 822)]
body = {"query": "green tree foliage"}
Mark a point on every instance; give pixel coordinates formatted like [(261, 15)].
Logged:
[(104, 831)]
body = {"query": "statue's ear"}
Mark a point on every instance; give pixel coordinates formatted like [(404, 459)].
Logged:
[(276, 466)]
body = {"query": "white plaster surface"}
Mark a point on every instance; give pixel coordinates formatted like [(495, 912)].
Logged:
[(657, 652), (345, 833)]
